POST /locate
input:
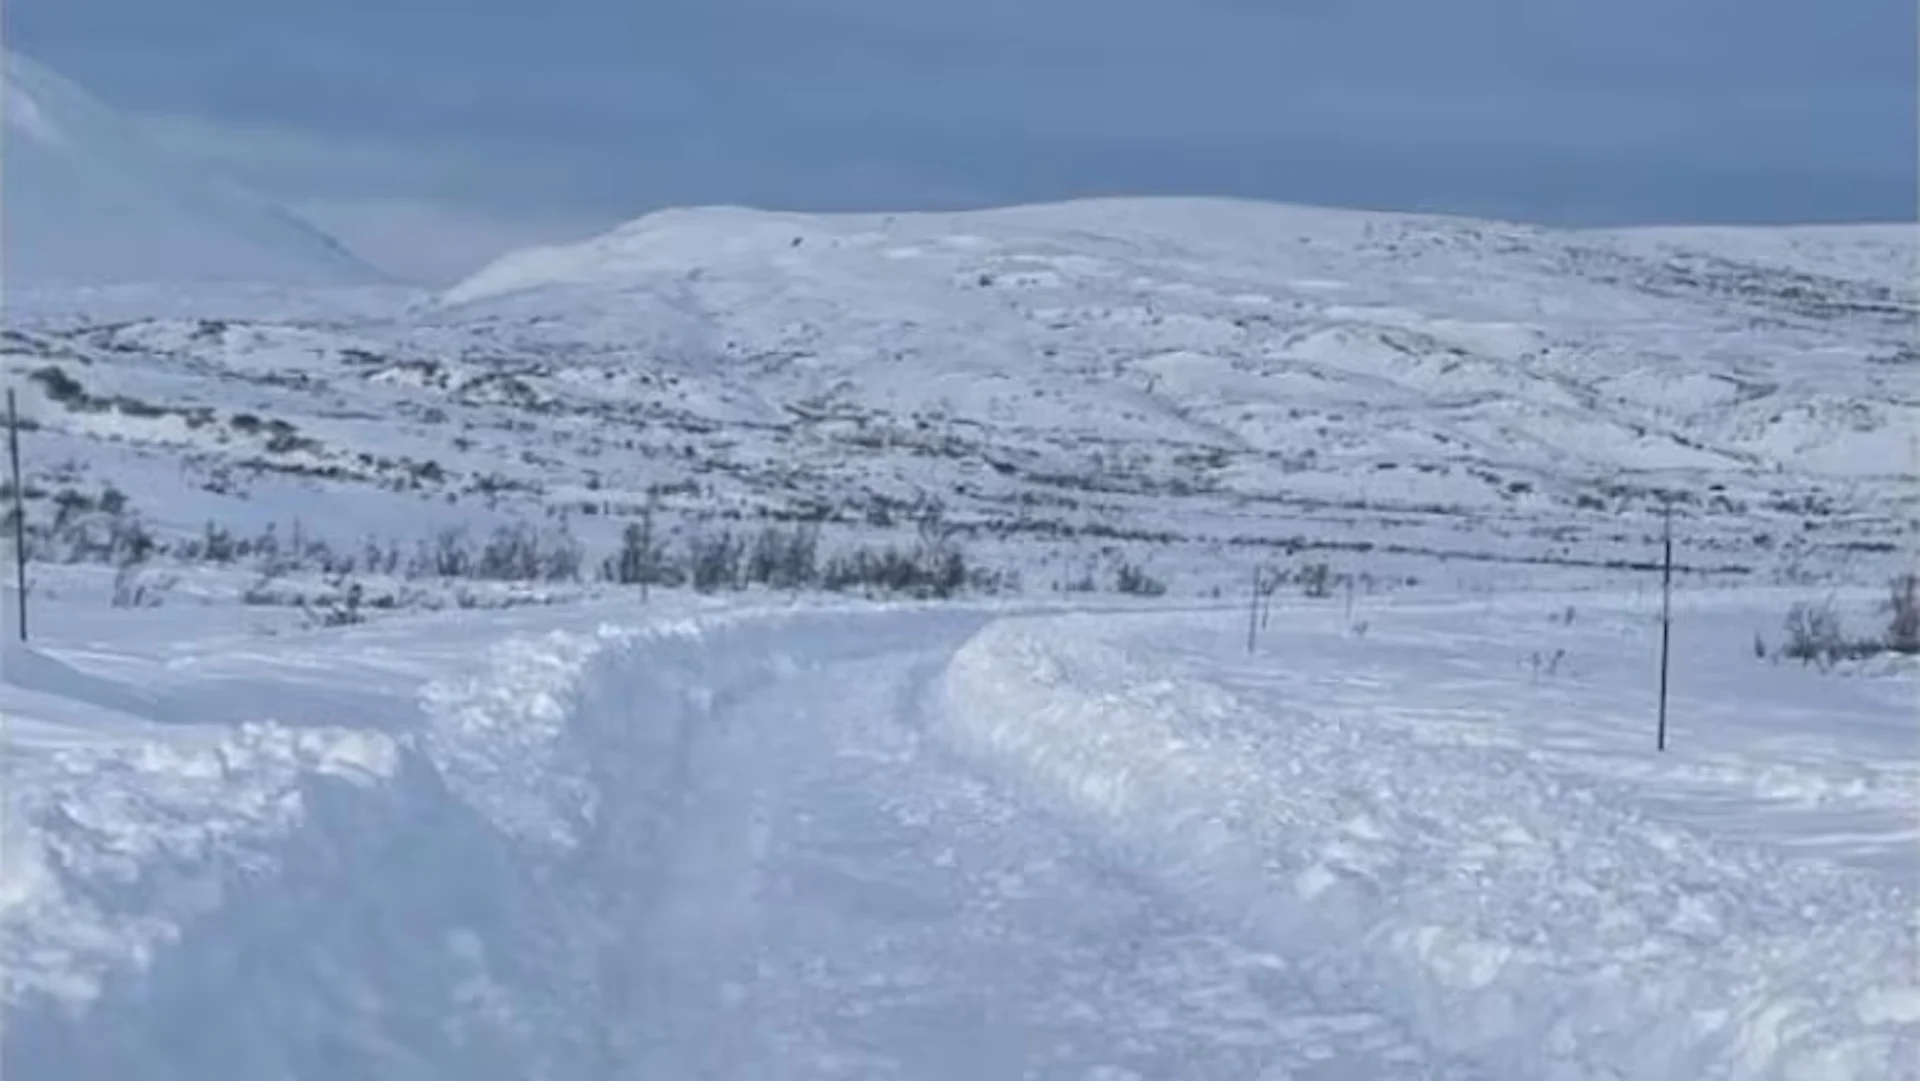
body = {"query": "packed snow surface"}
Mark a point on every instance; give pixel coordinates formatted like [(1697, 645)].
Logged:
[(91, 201)]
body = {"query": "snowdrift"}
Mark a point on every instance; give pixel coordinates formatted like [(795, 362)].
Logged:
[(1535, 928), (463, 900)]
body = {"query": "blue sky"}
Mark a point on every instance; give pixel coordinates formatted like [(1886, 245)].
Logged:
[(479, 124)]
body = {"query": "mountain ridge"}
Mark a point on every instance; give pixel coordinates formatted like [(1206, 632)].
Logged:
[(91, 200)]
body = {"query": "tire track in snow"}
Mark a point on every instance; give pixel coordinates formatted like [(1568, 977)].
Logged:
[(795, 878)]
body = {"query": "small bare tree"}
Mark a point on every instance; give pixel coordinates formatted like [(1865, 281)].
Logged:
[(1268, 583), (1903, 613)]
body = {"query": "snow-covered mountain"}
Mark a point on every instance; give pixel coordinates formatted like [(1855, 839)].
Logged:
[(89, 200)]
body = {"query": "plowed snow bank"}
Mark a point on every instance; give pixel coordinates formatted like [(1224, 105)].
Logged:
[(1541, 928), (451, 902)]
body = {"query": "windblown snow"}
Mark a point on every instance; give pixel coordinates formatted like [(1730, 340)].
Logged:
[(90, 201), (530, 682)]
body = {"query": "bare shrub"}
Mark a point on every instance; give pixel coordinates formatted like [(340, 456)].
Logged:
[(339, 606), (1815, 636), (133, 585), (511, 553), (268, 590), (448, 555), (714, 561), (380, 558), (1316, 580), (1132, 580), (640, 560), (785, 558), (1903, 613), (520, 553), (216, 544), (890, 570), (1813, 632)]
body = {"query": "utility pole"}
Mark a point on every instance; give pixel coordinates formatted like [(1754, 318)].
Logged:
[(19, 513), (646, 544), (1666, 620), (1253, 611)]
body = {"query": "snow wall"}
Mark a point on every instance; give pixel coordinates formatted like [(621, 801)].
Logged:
[(459, 902), (1525, 925)]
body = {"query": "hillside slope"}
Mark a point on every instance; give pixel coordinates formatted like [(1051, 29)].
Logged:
[(1267, 327), (1196, 384), (89, 201)]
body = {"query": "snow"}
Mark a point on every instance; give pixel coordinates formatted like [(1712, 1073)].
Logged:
[(546, 829), (1840, 250), (92, 202), (1432, 310), (1125, 367), (1484, 848), (848, 840)]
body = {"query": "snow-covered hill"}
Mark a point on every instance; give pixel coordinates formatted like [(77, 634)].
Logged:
[(90, 201), (1272, 329), (1190, 384)]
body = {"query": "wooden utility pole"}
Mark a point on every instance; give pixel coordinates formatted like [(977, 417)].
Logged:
[(19, 513), (1666, 621), (646, 544), (1253, 611)]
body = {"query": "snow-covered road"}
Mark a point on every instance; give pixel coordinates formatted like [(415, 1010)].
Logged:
[(914, 843), (835, 894)]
